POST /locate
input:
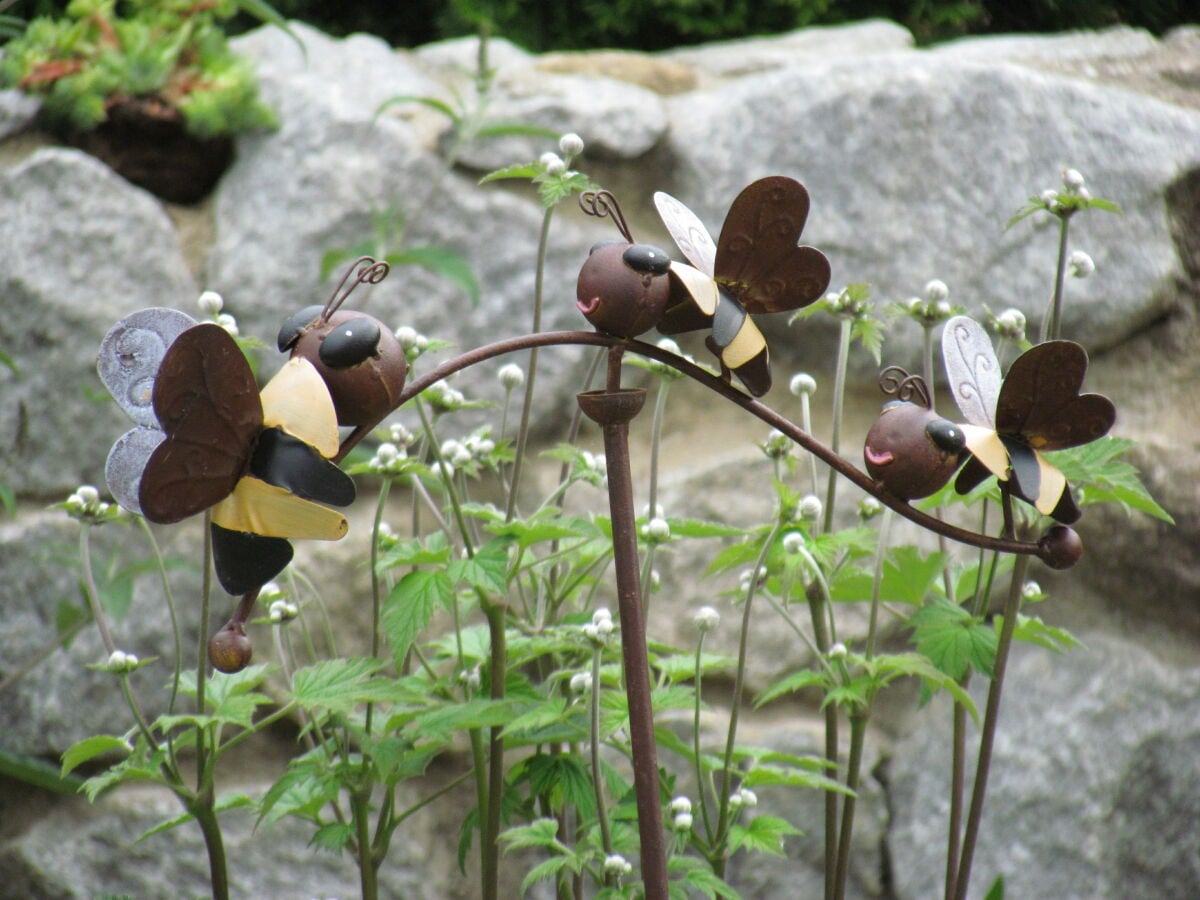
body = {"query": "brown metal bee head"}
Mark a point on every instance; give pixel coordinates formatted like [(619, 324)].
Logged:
[(359, 358), (911, 450), (623, 286)]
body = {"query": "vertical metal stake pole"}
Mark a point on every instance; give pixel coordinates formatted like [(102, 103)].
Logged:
[(613, 410)]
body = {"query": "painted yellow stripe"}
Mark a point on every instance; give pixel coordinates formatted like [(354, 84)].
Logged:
[(987, 447), (298, 401), (260, 508), (746, 345)]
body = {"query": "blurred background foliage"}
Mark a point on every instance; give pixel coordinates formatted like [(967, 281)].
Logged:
[(541, 25)]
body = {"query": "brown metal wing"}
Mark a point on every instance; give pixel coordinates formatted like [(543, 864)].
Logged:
[(1040, 400), (758, 259), (207, 402)]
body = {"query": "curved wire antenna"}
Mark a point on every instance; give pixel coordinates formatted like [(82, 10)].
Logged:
[(602, 203), (896, 381), (366, 270)]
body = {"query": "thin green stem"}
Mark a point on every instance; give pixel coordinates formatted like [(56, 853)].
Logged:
[(93, 593), (218, 871), (597, 779), (839, 399), (858, 731), (202, 651), (376, 597), (806, 425), (991, 716), (531, 375), (360, 811), (885, 523), (169, 597), (701, 793), (1052, 323), (739, 682)]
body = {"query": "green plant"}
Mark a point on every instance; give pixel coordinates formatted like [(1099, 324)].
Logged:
[(490, 628), (172, 56)]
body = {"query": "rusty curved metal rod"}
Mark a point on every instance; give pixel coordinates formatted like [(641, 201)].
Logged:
[(715, 384)]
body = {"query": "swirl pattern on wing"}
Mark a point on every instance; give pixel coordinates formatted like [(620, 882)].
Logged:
[(688, 232), (973, 370), (131, 353), (758, 258)]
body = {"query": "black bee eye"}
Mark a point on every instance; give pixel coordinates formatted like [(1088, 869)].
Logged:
[(596, 246), (350, 343), (647, 259), (290, 330), (946, 435)]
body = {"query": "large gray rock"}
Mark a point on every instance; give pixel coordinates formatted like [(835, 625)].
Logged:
[(1091, 745), (915, 161), (82, 249)]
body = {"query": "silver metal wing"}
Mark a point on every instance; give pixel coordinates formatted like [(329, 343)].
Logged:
[(688, 232), (973, 370)]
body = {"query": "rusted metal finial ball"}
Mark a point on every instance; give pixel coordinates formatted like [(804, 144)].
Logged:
[(358, 357), (911, 450), (1060, 547), (230, 649), (623, 288)]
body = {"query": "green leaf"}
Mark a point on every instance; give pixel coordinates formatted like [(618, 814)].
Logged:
[(1033, 630), (340, 685), (39, 773), (528, 171), (433, 551), (763, 834), (410, 606), (953, 639), (229, 801), (996, 891), (1099, 472), (333, 837), (908, 577), (487, 570), (699, 528), (795, 682), (8, 500), (442, 261), (697, 876), (682, 666), (514, 129), (432, 102), (89, 748), (542, 833)]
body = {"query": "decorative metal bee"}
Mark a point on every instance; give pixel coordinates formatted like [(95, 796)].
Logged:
[(357, 356), (206, 439), (911, 450), (755, 266), (623, 286), (1036, 407)]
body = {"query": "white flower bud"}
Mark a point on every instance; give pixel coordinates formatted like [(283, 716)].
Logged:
[(407, 336), (811, 507), (936, 291), (118, 661), (1031, 590), (1072, 179), (1080, 264), (681, 804), (655, 580), (387, 452), (88, 495), (837, 651), (511, 376), (616, 864), (229, 323), (210, 303), (570, 145), (269, 592), (401, 436), (793, 542), (683, 822), (581, 682), (869, 508), (943, 309), (803, 385), (659, 513), (601, 614), (669, 346), (706, 619), (1049, 197), (552, 163), (749, 798), (591, 631), (657, 530), (604, 628)]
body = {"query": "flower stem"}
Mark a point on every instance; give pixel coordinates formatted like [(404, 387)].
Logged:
[(1052, 323), (839, 398), (1012, 606), (597, 780), (531, 376)]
